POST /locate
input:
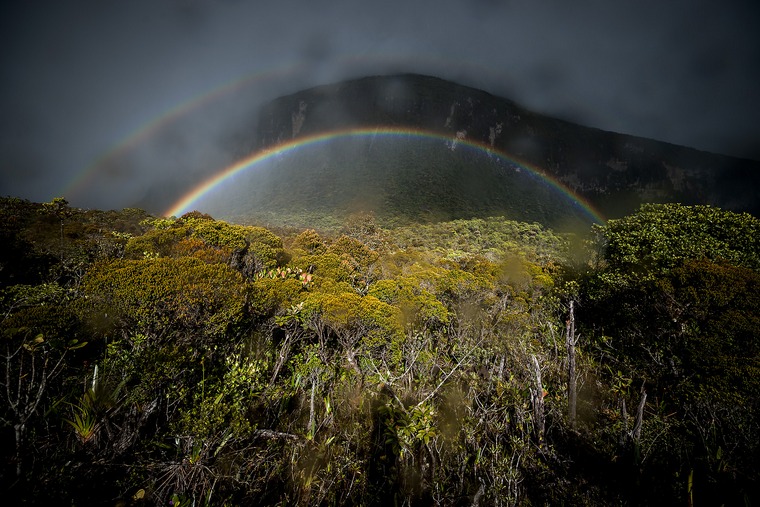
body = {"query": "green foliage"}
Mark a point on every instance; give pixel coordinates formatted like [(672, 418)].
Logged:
[(56, 243), (358, 259), (15, 297), (196, 215), (354, 251), (156, 295), (224, 401), (350, 315), (661, 236), (490, 237), (83, 422), (331, 273), (363, 227), (89, 413), (156, 242), (56, 321), (676, 298), (419, 307), (456, 286), (247, 249), (310, 242), (58, 208), (267, 295), (197, 361), (217, 234)]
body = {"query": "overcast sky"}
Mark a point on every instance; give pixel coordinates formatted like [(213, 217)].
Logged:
[(81, 77)]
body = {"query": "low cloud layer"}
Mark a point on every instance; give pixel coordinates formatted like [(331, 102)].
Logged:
[(81, 78)]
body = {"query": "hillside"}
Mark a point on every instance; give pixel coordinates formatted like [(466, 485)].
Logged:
[(485, 361), (516, 150), (401, 178)]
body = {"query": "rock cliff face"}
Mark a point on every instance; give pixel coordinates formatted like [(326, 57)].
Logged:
[(612, 171)]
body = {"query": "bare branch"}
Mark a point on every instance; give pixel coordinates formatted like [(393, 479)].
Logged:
[(446, 377), (275, 435)]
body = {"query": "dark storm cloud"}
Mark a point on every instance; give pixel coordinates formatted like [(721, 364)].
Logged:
[(80, 76)]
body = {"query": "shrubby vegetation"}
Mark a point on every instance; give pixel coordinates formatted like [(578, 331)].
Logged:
[(486, 362)]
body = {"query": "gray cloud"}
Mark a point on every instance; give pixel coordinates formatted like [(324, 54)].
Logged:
[(80, 77)]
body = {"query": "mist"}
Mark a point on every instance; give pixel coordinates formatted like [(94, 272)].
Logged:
[(111, 103)]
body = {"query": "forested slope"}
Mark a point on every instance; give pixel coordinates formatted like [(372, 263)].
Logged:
[(491, 362)]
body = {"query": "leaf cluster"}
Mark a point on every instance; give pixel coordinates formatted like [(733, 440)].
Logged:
[(197, 361)]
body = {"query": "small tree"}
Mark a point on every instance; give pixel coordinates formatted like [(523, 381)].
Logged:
[(58, 208), (30, 367)]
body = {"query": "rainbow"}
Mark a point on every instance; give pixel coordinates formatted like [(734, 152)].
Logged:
[(169, 116), (282, 73), (187, 202)]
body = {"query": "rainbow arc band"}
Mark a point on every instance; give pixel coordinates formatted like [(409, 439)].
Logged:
[(247, 83), (186, 203), (284, 73), (170, 116)]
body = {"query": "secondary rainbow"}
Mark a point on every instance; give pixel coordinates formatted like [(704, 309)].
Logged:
[(186, 203), (148, 129), (281, 73)]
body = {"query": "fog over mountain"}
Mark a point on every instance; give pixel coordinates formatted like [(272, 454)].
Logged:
[(419, 147), (133, 95)]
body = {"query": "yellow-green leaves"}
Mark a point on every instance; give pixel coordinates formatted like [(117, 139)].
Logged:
[(661, 236), (350, 314), (248, 249), (310, 242), (418, 306), (161, 294)]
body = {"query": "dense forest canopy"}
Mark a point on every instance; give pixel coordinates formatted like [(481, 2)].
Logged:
[(188, 360)]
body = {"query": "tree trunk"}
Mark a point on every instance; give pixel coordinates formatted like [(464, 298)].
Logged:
[(478, 495), (636, 435), (284, 353), (61, 242), (537, 393), (19, 437), (310, 429), (571, 380), (623, 439)]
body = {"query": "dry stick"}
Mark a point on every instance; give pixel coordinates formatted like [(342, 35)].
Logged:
[(538, 398), (637, 426), (408, 368), (624, 417), (478, 494), (26, 401), (272, 435), (284, 351), (311, 407), (456, 366), (640, 415), (570, 341), (386, 383)]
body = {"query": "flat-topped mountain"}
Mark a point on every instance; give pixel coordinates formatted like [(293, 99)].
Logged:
[(432, 173)]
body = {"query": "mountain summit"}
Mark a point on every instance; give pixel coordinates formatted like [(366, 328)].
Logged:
[(425, 176)]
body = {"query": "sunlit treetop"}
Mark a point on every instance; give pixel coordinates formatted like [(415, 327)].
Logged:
[(661, 236)]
